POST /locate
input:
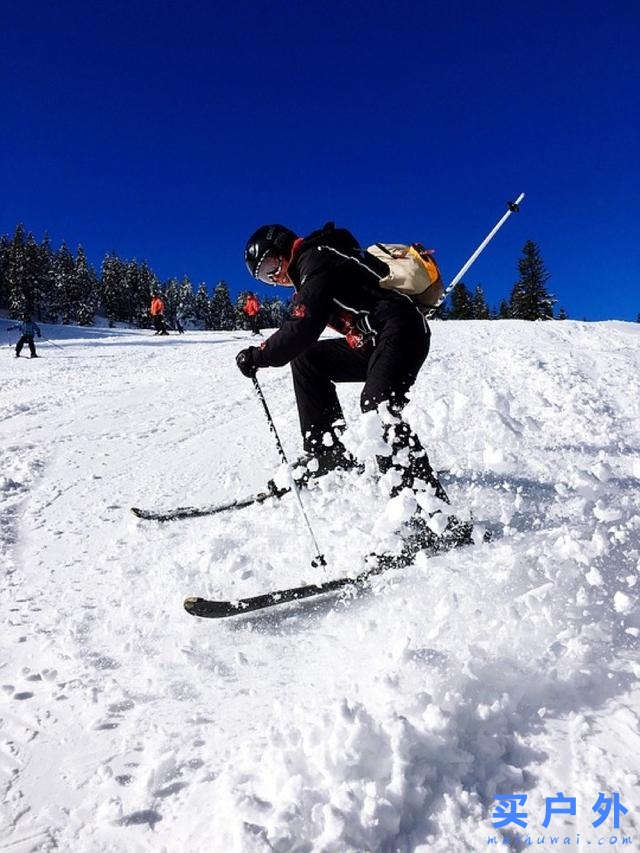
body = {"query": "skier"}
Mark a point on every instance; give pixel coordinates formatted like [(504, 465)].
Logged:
[(386, 340), (180, 323), (252, 309), (27, 330), (157, 313)]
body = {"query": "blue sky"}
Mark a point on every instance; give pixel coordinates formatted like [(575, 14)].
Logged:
[(170, 131)]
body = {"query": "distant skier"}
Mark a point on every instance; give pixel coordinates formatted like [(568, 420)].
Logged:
[(179, 324), (252, 310), (386, 340), (27, 330), (157, 314)]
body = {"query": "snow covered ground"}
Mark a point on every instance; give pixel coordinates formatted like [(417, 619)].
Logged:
[(384, 722)]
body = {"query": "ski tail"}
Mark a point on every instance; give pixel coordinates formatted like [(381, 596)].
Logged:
[(213, 509)]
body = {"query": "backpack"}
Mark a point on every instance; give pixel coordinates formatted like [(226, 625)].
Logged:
[(412, 270)]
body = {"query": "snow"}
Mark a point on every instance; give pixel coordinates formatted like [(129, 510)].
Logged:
[(382, 721)]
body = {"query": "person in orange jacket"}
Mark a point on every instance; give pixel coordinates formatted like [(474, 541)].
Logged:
[(157, 314), (252, 310)]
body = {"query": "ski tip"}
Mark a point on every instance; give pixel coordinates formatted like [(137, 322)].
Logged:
[(145, 514), (209, 609), (203, 607)]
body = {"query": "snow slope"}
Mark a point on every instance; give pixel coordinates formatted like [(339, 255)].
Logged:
[(384, 722)]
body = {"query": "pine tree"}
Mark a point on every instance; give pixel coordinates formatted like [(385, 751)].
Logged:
[(223, 315), (203, 309), (186, 301), (171, 299), (562, 315), (46, 281), (31, 279), (480, 308), (64, 296), (504, 310), (442, 312), (529, 298), (275, 312), (241, 319), (5, 247), (16, 274), (461, 303), (86, 290), (263, 316), (111, 287), (143, 287), (133, 301)]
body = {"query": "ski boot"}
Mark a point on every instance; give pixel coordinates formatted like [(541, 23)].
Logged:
[(311, 466), (421, 537)]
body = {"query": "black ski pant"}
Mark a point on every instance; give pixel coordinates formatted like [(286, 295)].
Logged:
[(388, 371), (26, 339), (159, 325)]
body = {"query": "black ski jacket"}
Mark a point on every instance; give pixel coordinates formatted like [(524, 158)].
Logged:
[(337, 285)]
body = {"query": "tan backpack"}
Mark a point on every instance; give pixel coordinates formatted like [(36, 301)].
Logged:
[(412, 270)]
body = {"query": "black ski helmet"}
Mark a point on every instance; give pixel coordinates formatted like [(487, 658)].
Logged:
[(268, 242)]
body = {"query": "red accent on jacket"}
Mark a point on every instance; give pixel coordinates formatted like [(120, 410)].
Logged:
[(296, 245), (355, 339), (299, 310)]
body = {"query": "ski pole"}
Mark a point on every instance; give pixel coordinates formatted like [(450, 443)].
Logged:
[(319, 559), (513, 207), (51, 342)]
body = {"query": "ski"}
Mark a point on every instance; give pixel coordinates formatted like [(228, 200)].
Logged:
[(209, 609), (273, 491), (196, 512)]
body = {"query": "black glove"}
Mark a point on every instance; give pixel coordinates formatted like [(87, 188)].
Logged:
[(246, 362)]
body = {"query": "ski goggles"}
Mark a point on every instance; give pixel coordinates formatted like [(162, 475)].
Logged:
[(269, 269)]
